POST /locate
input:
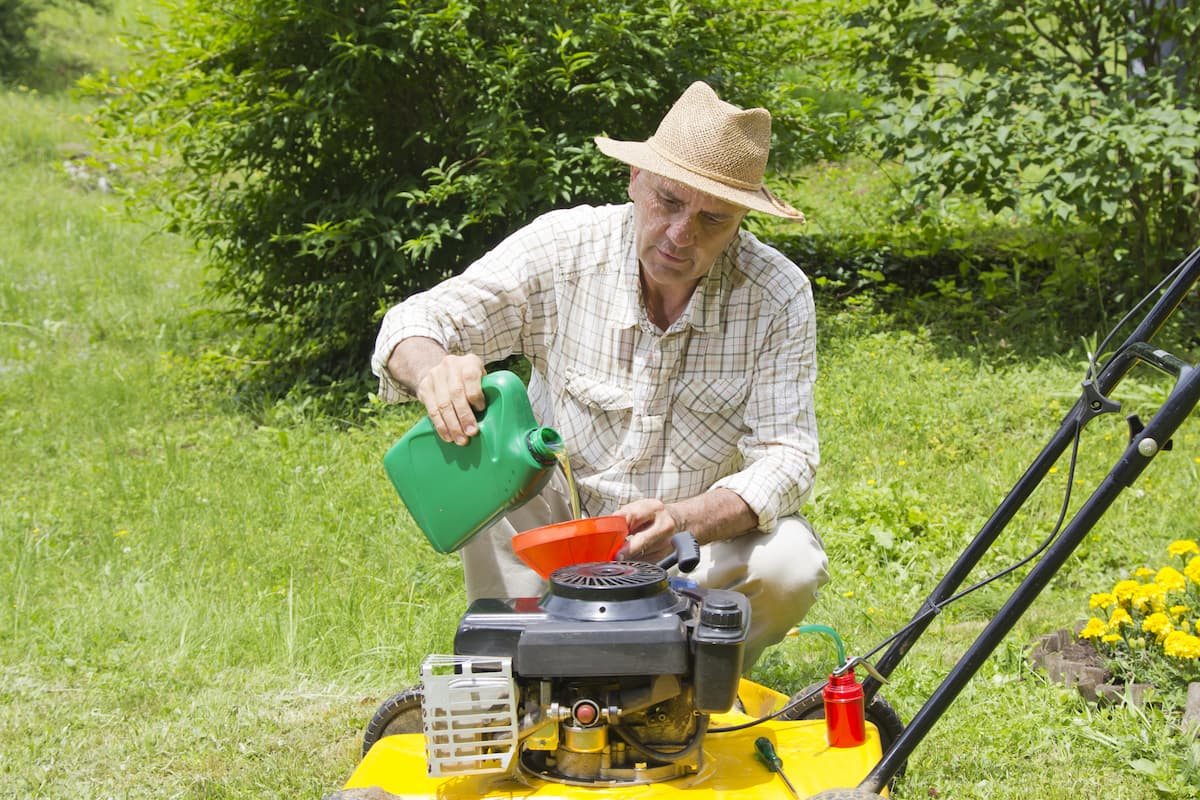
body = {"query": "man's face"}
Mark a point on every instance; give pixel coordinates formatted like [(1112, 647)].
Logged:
[(679, 231)]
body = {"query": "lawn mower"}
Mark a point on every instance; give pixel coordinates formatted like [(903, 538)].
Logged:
[(624, 678)]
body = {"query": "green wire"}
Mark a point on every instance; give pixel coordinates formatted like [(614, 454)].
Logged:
[(831, 633)]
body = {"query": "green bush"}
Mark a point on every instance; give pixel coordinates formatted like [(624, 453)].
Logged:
[(16, 48), (334, 156), (19, 35), (1083, 116)]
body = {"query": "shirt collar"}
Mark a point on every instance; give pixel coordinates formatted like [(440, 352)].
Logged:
[(625, 309), (704, 309)]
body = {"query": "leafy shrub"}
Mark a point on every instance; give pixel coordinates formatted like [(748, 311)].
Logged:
[(16, 49), (1081, 114), (18, 40), (963, 280), (1045, 286), (334, 156)]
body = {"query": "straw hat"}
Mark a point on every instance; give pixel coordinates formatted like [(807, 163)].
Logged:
[(710, 145)]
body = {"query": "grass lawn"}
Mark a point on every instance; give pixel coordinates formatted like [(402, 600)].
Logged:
[(200, 602)]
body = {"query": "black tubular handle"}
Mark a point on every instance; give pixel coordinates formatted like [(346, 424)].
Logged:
[(686, 555)]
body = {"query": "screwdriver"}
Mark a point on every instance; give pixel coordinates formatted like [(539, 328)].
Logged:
[(767, 755)]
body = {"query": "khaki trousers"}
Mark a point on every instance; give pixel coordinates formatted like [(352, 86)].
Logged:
[(780, 572)]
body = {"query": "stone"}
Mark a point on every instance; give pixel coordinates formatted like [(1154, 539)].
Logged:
[(369, 793), (1118, 693), (1086, 679), (1052, 663), (1191, 710), (1059, 639), (1048, 643), (1070, 662)]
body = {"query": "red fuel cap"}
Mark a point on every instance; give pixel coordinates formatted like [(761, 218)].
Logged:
[(585, 712)]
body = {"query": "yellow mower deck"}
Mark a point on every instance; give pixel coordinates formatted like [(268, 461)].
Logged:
[(396, 764)]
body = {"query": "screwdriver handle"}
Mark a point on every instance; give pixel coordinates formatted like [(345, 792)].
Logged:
[(767, 754)]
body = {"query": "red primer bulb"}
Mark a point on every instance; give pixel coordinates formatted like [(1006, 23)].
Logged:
[(845, 724)]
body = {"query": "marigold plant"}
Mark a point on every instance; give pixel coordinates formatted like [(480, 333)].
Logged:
[(1147, 624)]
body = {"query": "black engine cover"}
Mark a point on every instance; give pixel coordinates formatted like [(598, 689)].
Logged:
[(542, 645)]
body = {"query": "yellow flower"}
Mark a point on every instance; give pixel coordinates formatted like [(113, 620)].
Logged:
[(1110, 638), (1143, 572), (1179, 611), (1192, 570), (1149, 596), (1119, 617), (1171, 579), (1181, 547), (1124, 590), (1178, 644), (1094, 629), (1101, 600), (1159, 624)]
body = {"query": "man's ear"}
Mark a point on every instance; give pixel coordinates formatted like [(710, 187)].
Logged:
[(633, 173)]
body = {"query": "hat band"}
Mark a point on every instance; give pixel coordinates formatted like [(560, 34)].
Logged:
[(716, 176)]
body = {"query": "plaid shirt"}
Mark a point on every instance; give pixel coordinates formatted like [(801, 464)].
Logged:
[(722, 398)]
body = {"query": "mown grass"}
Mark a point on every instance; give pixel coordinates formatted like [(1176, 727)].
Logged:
[(199, 600)]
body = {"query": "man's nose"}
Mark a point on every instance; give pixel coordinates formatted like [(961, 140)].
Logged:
[(682, 230)]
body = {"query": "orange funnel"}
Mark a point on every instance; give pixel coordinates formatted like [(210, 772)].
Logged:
[(578, 541)]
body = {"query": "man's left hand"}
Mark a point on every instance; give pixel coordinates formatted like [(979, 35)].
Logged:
[(651, 523)]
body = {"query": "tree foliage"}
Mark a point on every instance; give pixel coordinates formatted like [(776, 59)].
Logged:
[(334, 156), (16, 47), (1083, 113), (18, 38)]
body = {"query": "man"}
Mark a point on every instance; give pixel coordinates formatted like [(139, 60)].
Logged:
[(673, 351)]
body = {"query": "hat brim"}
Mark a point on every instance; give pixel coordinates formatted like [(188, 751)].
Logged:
[(642, 156)]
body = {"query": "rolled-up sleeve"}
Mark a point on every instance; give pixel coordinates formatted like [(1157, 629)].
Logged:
[(488, 310)]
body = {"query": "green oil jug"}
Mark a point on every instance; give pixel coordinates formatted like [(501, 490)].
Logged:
[(452, 491)]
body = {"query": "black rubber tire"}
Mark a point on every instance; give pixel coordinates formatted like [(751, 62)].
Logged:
[(400, 713), (878, 712)]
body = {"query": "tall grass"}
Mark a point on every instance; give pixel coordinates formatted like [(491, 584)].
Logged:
[(201, 602)]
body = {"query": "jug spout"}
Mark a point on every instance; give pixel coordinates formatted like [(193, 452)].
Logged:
[(544, 445), (453, 491)]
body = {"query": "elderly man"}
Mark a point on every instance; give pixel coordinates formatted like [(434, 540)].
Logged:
[(672, 350)]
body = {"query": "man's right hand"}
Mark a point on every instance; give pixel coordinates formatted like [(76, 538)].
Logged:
[(452, 391), (449, 386)]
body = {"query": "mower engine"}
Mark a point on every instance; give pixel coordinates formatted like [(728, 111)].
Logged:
[(607, 679)]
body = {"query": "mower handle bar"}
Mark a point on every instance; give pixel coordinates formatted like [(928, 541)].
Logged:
[(1145, 443)]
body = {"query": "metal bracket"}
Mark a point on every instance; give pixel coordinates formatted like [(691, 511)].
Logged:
[(1096, 403), (1136, 427)]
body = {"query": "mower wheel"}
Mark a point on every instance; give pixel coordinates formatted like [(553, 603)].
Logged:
[(846, 794), (878, 712), (400, 713)]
